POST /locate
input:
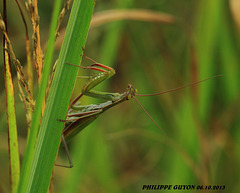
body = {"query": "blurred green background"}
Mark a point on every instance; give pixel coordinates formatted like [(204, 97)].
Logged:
[(123, 149)]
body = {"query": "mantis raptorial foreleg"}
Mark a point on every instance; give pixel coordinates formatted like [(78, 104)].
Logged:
[(105, 73)]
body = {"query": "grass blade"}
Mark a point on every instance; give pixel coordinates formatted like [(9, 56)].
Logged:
[(59, 96), (28, 158), (209, 24), (14, 162)]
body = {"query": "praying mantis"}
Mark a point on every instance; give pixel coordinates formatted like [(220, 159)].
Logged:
[(79, 117)]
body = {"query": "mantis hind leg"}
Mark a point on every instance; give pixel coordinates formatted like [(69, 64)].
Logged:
[(68, 154)]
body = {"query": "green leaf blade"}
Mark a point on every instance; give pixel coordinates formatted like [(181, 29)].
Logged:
[(59, 97), (14, 161)]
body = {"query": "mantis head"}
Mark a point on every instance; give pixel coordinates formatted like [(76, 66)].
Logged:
[(131, 92)]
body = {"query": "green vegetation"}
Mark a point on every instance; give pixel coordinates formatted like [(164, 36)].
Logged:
[(123, 150)]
